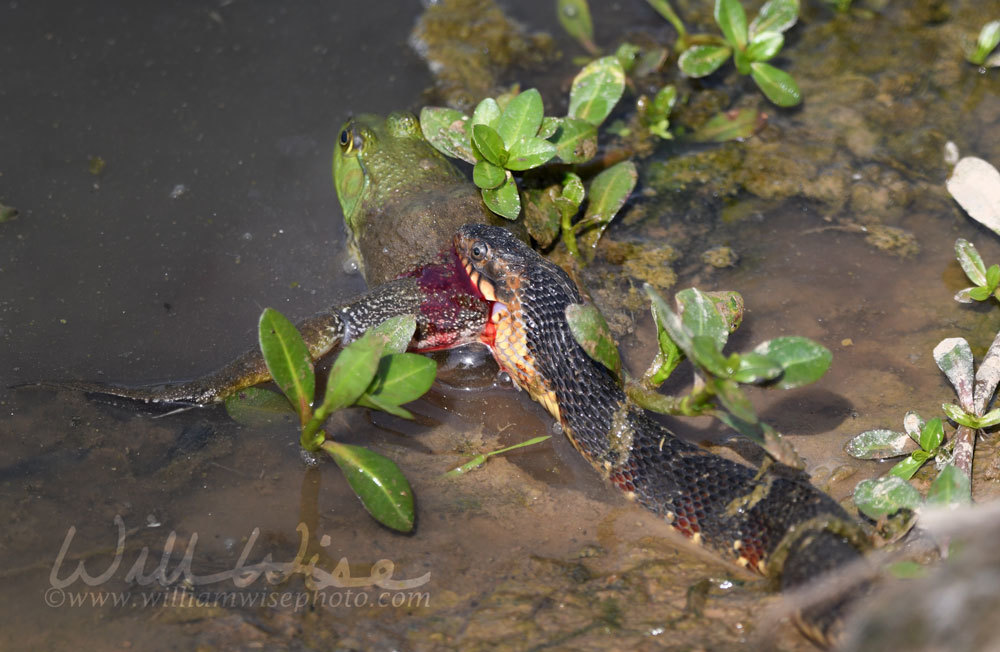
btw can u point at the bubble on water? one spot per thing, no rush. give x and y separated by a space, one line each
556 428
351 266
310 459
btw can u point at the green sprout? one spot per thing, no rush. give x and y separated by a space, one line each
989 38
986 279
508 135
373 371
480 459
750 47
698 331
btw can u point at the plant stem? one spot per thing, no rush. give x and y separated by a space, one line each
569 236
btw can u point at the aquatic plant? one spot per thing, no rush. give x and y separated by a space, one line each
698 331
750 47
510 134
985 279
373 371
989 38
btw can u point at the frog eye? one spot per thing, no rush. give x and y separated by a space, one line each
479 251
345 137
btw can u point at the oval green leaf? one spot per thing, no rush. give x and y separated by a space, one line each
591 332
932 434
775 16
487 113
487 176
803 360
529 152
378 482
728 125
288 360
608 192
521 118
574 16
880 444
703 60
541 215
755 368
489 144
970 260
447 130
351 374
575 140
777 85
700 316
732 20
951 487
885 496
401 378
907 467
596 89
505 201
981 293
705 352
765 46
397 332
258 407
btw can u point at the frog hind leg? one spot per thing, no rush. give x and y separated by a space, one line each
323 333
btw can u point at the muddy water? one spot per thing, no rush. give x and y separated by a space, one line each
214 124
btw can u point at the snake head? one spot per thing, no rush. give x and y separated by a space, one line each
494 259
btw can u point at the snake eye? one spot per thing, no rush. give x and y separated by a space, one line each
478 251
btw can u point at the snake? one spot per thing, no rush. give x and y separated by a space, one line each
772 521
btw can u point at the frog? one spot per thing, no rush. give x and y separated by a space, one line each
402 199
402 202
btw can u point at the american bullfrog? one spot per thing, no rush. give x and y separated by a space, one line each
402 202
402 199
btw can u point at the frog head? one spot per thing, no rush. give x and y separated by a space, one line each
379 161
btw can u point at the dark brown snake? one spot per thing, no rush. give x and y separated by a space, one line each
774 522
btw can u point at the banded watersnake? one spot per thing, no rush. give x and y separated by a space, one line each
774 522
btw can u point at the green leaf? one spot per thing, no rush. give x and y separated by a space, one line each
352 371
607 194
596 89
669 320
663 101
667 357
572 190
951 487
700 316
971 261
907 467
733 399
703 60
521 118
981 293
993 276
447 130
732 20
489 144
880 444
990 419
401 378
931 435
803 360
777 85
529 152
378 482
754 368
288 360
397 332
960 416
705 352
575 140
885 496
989 36
254 406
574 16
775 16
505 200
549 126
742 62
591 332
765 46
374 403
728 125
486 175
487 113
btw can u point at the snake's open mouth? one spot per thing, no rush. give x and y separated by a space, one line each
487 292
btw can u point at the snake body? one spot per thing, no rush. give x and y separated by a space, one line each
774 522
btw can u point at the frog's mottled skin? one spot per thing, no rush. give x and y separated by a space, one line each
402 199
